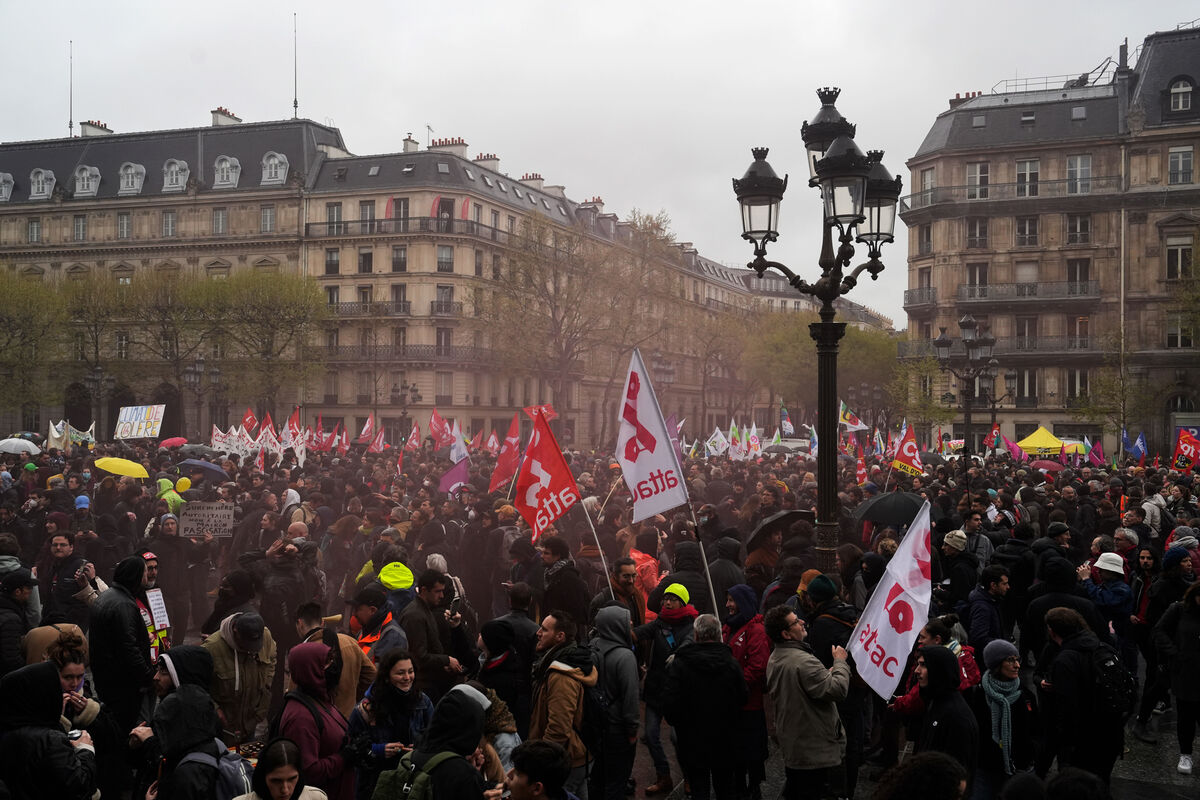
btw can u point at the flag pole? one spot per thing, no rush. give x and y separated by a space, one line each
703 556
596 538
612 489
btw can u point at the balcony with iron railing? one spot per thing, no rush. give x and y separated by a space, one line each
445 308
1056 290
1007 345
408 225
1027 401
923 296
417 353
1066 187
374 308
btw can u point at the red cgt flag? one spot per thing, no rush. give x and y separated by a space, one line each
440 431
249 421
414 438
377 445
991 438
545 410
493 443
510 456
545 486
908 458
1187 449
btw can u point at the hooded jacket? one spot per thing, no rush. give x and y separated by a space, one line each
703 694
320 746
749 644
805 696
241 683
33 608
726 571
689 570
183 723
560 677
1062 591
506 669
357 670
36 758
457 727
566 591
948 725
118 642
618 668
188 664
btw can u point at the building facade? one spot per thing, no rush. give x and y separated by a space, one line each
1063 215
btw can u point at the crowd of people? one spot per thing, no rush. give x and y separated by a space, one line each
358 634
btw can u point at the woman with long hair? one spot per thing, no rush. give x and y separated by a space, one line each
277 775
391 717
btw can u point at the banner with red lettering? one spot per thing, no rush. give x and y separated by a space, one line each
648 460
908 458
896 612
1187 447
545 486
510 456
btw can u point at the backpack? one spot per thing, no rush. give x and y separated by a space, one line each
302 699
596 702
408 781
234 773
1115 690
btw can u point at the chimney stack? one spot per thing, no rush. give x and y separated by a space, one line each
93 128
453 145
223 116
534 180
488 161
411 145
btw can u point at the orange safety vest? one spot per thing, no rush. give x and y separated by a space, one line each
367 640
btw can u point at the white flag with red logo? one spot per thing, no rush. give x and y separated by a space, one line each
249 421
368 428
414 438
644 450
493 443
440 431
510 456
896 612
908 457
545 486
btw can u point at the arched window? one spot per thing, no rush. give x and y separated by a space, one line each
1181 95
41 184
175 175
274 169
87 179
227 170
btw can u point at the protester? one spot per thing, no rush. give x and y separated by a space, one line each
311 721
277 775
561 673
747 639
670 630
1006 715
617 671
243 654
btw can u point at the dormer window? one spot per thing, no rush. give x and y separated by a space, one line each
132 176
1181 95
274 169
87 181
41 184
175 175
6 186
227 170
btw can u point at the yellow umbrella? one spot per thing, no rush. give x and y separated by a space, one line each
122 466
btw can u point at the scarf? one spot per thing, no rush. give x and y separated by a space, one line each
1000 698
557 567
674 615
635 597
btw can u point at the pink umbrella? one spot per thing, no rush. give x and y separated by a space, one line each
174 441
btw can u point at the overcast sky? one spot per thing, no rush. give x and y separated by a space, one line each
650 104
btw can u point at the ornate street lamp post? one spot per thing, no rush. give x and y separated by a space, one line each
976 363
859 197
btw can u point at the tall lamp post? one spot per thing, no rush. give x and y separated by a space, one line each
859 197
193 377
401 397
976 363
99 386
1010 391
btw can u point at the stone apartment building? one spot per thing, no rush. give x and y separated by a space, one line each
1062 215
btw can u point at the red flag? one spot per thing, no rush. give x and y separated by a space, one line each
400 461
320 432
327 442
545 487
908 458
1156 460
493 443
368 428
477 442
376 445
990 439
268 424
414 438
1142 460
260 463
1062 454
440 431
1187 448
343 445
546 410
293 424
249 421
510 456
861 472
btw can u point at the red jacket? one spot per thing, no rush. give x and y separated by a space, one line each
751 650
912 704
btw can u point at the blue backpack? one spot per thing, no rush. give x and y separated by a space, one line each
234 773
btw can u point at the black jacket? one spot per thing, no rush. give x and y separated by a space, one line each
1026 728
689 570
1177 637
13 625
457 726
662 641
119 643
183 723
726 571
948 724
566 591
1084 735
702 698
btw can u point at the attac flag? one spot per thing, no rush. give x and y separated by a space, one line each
846 417
493 443
545 410
1096 455
414 438
785 422
1187 448
510 456
377 445
368 430
649 462
440 431
991 438
884 636
545 486
908 457
249 421
455 478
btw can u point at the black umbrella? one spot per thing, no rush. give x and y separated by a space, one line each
778 448
780 520
198 450
894 508
931 459
209 467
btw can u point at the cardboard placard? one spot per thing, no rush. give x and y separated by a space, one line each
196 518
139 422
158 609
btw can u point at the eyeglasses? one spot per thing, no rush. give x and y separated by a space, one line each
795 622
1012 660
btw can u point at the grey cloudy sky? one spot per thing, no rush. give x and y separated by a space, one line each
651 105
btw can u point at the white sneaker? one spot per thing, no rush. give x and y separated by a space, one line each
1185 765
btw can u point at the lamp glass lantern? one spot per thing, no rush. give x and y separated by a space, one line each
986 343
879 206
759 192
842 174
1010 382
941 346
823 130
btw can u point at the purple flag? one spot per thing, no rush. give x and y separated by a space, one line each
1016 452
455 477
1096 455
673 432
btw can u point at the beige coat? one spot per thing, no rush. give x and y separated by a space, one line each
558 709
805 696
241 681
357 673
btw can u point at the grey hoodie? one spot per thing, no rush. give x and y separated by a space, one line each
33 609
618 668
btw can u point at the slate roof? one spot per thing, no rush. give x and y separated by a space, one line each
420 170
297 139
1165 57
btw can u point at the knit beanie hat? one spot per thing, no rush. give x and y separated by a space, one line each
821 589
996 651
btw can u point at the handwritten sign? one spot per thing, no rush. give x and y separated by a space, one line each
198 518
158 609
139 422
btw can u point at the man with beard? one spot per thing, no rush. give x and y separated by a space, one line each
561 673
622 590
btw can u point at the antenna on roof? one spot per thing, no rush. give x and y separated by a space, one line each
428 134
295 72
70 88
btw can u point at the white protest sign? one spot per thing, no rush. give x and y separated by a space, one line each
158 609
139 422
196 519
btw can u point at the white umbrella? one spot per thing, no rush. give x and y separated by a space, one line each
21 447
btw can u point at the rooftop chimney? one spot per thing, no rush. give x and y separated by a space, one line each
533 179
455 145
93 128
488 161
594 203
223 116
411 145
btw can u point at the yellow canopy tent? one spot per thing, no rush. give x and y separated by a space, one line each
1041 443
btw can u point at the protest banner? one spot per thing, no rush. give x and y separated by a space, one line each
139 422
197 518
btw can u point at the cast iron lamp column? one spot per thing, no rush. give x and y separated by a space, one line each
979 363
859 197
